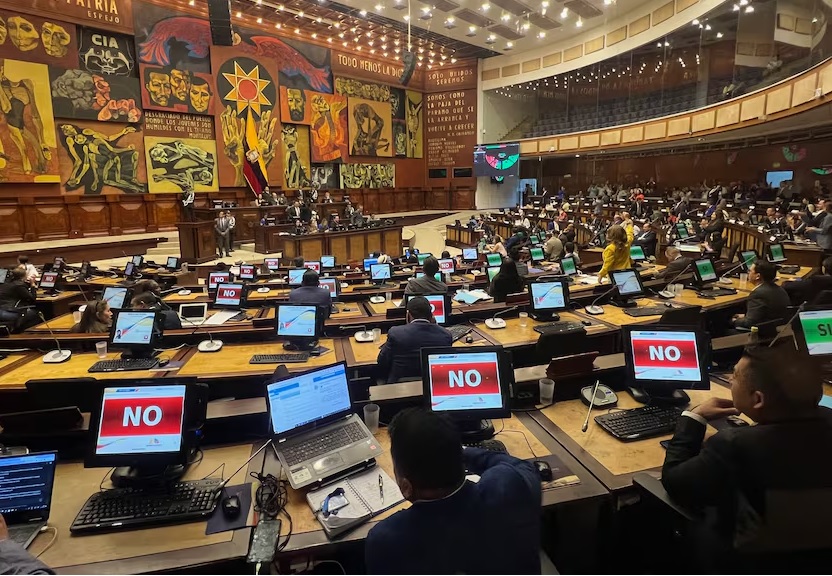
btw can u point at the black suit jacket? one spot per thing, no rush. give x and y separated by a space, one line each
16 294
292 213
647 241
312 295
675 267
741 464
767 302
400 357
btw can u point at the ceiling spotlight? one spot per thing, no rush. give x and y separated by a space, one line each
695 22
749 9
379 7
450 22
329 39
564 14
505 17
239 14
385 54
743 2
491 39
300 14
277 25
509 45
472 31
736 7
607 2
526 25
541 35
319 19
280 7
406 17
191 2
314 34
707 26
340 35
579 23
362 13
453 60
544 4
485 6
259 20
297 30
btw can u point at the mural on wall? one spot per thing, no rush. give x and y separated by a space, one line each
244 85
326 115
96 158
370 128
368 175
28 146
183 42
83 95
361 89
176 90
106 53
398 107
174 165
413 118
294 142
34 39
325 176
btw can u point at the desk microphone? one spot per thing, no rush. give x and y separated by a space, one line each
496 323
724 278
363 335
54 356
218 490
664 292
787 324
594 310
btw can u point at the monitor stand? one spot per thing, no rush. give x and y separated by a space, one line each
475 430
675 398
624 302
136 353
147 476
545 316
301 345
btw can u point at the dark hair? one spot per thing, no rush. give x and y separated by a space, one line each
90 322
18 273
786 375
147 286
431 266
766 270
826 266
446 254
310 278
297 261
147 298
419 308
515 253
569 246
426 449
22 259
508 268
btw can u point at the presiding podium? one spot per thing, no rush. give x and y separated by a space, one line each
197 243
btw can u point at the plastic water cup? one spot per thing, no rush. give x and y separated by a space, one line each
371 413
678 289
524 319
547 390
388 296
76 316
466 286
743 279
376 334
101 348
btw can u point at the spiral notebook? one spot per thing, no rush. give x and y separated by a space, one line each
364 500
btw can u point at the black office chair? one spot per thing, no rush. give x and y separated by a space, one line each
823 297
557 345
689 316
732 252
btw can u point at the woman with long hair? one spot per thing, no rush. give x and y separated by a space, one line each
617 253
96 318
507 281
498 246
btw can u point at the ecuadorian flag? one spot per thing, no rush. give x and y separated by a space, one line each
254 168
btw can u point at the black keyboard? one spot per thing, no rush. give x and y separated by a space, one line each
717 292
123 365
323 443
788 269
646 311
639 423
458 331
490 445
127 508
279 358
558 327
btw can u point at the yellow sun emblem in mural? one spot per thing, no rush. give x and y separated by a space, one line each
247 89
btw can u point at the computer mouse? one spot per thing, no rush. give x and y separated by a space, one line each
347 309
586 322
469 339
543 470
163 362
231 506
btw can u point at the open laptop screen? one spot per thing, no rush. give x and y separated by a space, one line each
26 485
305 398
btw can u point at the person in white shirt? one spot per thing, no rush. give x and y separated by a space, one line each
31 271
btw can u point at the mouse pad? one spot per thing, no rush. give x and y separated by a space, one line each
219 523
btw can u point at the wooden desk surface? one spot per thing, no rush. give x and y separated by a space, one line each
194 296
60 297
366 353
105 281
65 322
232 360
133 551
514 335
612 461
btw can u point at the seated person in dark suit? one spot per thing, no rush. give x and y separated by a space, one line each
807 289
767 301
646 239
400 356
451 527
15 295
675 263
427 284
736 469
149 301
310 292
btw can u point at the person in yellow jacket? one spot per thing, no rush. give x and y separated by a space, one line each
617 253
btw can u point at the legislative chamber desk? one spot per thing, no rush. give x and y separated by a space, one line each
346 246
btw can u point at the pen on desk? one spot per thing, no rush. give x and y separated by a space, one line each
381 488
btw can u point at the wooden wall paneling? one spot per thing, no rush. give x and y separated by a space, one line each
438 199
356 247
374 242
463 199
12 217
386 202
131 214
416 200
166 212
50 219
338 248
392 240
88 216
312 250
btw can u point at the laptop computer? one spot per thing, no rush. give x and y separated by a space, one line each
193 314
317 436
26 493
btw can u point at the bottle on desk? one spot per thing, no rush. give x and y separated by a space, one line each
755 336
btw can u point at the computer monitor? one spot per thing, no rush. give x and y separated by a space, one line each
437 276
420 258
568 266
814 328
776 253
327 261
216 278
381 272
704 271
682 231
272 264
492 272
139 331
369 262
537 254
470 255
137 260
117 297
446 265
494 259
440 305
316 266
296 276
748 257
230 296
59 263
300 325
172 263
4 274
534 239
332 285
130 270
86 269
468 385
248 272
628 283
49 280
548 297
26 483
637 254
661 360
